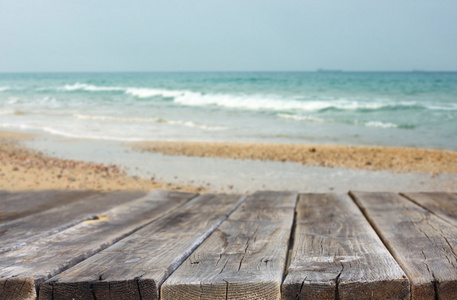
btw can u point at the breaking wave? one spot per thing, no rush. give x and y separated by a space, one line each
261 102
380 124
137 92
89 88
278 104
303 118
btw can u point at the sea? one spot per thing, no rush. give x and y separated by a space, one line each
406 109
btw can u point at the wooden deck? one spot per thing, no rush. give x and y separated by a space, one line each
269 245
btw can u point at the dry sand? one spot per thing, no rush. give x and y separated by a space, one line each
353 157
24 169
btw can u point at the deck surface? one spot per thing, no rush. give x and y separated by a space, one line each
268 245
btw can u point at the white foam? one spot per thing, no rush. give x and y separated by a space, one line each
147 93
4 88
17 126
46 100
86 136
270 103
380 124
90 88
149 120
302 118
442 106
118 119
134 91
314 119
13 100
248 102
68 134
196 125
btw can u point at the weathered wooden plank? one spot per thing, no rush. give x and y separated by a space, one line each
17 289
337 255
39 261
18 205
424 245
244 258
135 267
443 205
18 233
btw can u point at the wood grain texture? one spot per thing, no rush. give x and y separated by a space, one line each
17 289
39 261
135 267
244 258
18 205
443 205
424 245
337 255
20 232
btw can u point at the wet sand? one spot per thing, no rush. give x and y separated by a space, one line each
25 169
36 162
352 157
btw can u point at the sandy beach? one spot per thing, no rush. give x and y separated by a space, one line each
353 157
25 169
38 162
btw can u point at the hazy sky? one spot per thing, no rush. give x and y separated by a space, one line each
227 35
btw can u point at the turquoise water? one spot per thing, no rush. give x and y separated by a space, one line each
417 109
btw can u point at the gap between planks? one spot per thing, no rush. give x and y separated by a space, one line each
338 255
244 258
22 271
442 205
422 243
135 274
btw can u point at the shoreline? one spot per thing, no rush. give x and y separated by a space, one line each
53 162
22 168
395 159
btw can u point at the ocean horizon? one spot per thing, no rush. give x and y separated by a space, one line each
405 109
